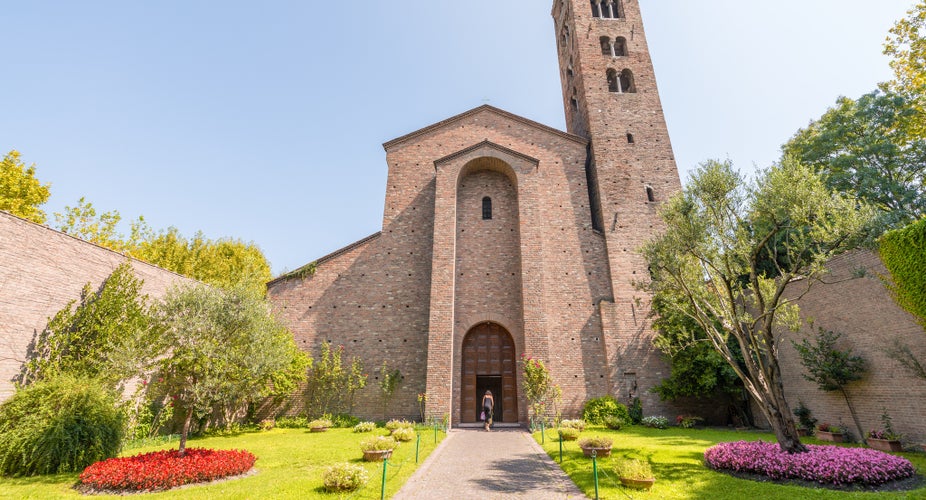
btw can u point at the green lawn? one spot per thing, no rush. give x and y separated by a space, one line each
289 464
677 459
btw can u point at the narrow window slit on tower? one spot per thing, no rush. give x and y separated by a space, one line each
486 208
650 196
629 138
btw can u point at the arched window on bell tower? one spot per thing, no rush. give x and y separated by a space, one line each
486 208
626 82
620 47
596 8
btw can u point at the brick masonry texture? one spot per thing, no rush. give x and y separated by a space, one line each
41 270
863 311
561 287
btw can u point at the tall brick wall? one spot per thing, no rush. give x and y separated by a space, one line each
868 318
41 270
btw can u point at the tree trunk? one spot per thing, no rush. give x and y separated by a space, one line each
185 431
858 426
780 417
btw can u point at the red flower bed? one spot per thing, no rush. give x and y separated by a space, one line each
161 470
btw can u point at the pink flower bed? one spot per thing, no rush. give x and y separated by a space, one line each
832 465
165 469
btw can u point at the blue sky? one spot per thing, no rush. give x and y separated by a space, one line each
265 120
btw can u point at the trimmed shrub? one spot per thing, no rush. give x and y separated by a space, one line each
59 425
293 423
160 470
378 443
596 442
614 423
656 422
578 425
345 477
568 433
392 425
833 465
404 434
597 409
344 421
365 427
636 411
903 252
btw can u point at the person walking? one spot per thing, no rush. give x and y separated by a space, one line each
488 405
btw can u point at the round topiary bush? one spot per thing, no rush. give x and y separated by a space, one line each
404 434
596 410
365 427
344 477
831 465
392 425
60 425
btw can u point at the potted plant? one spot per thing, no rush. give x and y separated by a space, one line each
885 439
827 432
568 433
635 473
377 448
319 425
576 424
805 418
599 445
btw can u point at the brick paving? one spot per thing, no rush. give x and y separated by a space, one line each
503 463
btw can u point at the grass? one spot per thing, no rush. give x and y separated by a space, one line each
290 463
678 463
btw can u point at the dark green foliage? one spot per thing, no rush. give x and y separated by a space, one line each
865 148
803 415
614 423
58 425
903 252
636 411
103 337
596 410
828 367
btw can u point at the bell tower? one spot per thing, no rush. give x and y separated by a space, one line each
610 97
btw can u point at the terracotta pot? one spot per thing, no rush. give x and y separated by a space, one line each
599 452
640 484
318 429
889 445
831 436
377 455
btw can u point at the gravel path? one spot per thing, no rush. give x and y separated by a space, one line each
503 463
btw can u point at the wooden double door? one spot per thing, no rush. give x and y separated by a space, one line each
489 364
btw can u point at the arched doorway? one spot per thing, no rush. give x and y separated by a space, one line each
489 363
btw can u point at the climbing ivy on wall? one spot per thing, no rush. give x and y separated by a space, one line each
903 252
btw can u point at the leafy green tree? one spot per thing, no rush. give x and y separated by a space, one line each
21 193
103 337
388 385
907 47
540 391
698 370
830 368
864 147
717 232
225 262
84 222
216 346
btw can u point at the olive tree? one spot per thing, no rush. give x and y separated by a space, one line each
221 346
740 254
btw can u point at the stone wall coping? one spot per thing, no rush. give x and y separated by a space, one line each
481 109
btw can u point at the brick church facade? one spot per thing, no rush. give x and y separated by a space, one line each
503 238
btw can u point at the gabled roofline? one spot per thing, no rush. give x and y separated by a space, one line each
476 110
490 144
328 257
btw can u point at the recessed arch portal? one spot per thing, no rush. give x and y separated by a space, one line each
489 363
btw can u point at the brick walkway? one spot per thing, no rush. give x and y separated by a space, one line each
504 463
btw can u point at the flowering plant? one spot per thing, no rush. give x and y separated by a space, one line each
345 477
887 432
378 443
656 422
162 470
832 465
